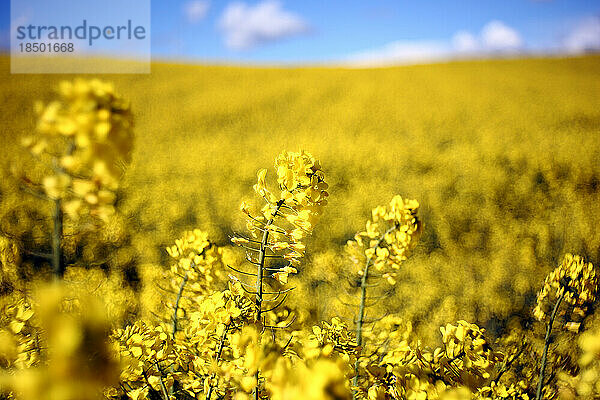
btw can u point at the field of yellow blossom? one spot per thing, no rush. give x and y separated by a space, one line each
497 164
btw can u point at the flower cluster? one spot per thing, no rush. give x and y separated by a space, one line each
502 391
198 261
330 337
467 353
87 135
390 341
18 335
146 355
229 307
575 282
66 355
460 368
388 238
200 356
197 270
287 217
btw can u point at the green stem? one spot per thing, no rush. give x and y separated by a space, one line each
57 234
175 320
219 352
546 345
506 366
359 326
260 272
361 309
162 383
176 307
259 280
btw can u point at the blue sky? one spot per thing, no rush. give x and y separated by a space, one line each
363 32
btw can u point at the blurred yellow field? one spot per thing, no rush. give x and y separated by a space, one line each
502 157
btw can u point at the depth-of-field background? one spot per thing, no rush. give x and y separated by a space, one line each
503 156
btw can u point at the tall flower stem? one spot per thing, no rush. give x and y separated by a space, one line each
57 234
219 352
547 345
259 279
175 321
176 307
361 309
57 218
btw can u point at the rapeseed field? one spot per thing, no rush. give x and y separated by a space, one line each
497 165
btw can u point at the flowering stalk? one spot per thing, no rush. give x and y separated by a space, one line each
219 352
177 301
386 242
546 345
82 136
363 298
198 265
261 262
276 232
573 282
259 279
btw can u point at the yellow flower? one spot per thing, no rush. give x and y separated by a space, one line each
91 129
574 281
388 238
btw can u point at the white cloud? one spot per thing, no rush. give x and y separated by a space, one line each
584 37
400 52
247 26
465 42
497 36
196 10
